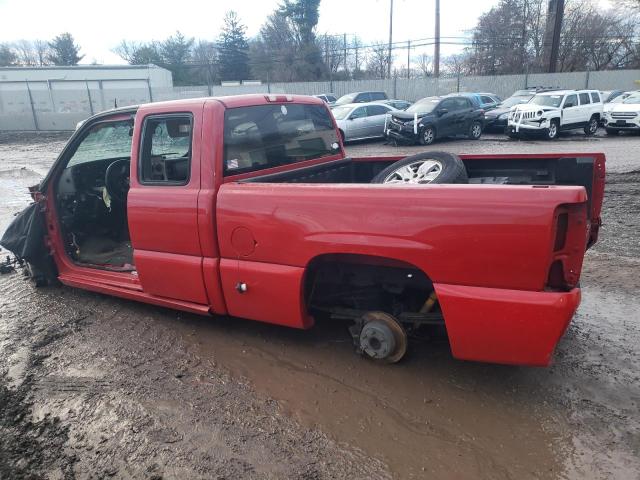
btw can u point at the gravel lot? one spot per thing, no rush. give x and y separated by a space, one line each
96 387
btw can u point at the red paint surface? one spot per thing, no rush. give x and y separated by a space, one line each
274 292
487 248
505 326
482 235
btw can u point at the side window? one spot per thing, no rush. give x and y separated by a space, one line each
165 156
378 96
457 104
465 103
448 104
571 101
485 99
359 112
595 97
363 98
376 110
584 99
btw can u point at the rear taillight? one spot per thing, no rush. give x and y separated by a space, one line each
569 246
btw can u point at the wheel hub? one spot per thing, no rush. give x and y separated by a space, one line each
382 337
377 340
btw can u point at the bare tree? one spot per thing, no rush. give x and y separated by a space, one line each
509 38
456 64
378 62
25 52
425 65
205 58
42 52
356 58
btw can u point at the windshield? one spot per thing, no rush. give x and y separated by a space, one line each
266 136
343 100
635 98
426 105
340 113
104 140
547 100
511 101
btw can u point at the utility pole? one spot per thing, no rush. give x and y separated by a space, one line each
555 14
436 48
390 39
524 33
408 58
344 46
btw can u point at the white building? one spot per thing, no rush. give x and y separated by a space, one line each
56 98
158 77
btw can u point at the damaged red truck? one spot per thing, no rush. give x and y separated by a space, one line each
247 206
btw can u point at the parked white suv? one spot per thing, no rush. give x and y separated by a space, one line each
623 115
550 112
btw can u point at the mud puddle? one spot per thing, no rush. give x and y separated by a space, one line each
428 416
432 415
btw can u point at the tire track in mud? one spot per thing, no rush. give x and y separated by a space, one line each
30 448
123 397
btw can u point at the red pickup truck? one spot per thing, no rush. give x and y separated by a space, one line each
247 206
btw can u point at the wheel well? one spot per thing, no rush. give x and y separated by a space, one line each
597 115
365 282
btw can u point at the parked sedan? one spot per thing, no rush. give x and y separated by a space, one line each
496 120
436 117
357 121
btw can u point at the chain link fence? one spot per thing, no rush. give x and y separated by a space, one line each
61 104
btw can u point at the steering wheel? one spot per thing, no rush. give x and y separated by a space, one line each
116 180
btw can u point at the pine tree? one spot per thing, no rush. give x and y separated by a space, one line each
64 51
234 49
176 54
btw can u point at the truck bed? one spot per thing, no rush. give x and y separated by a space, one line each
585 170
503 253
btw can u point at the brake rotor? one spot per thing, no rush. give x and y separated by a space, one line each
382 337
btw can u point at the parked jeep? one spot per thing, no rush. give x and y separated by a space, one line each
549 113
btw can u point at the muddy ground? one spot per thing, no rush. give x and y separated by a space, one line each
97 387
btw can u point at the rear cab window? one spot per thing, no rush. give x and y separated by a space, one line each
595 97
266 136
165 157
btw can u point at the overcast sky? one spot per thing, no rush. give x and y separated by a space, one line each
99 26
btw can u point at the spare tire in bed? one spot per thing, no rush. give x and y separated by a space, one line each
424 168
